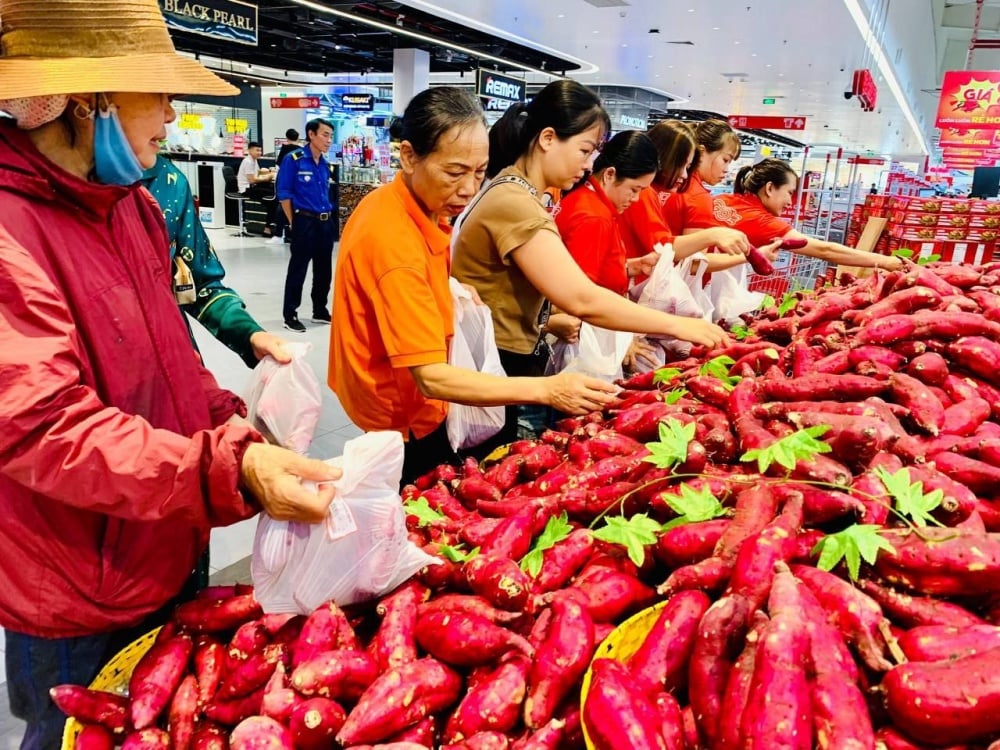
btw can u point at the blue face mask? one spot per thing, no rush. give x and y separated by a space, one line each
114 161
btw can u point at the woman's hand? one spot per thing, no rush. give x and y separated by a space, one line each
730 241
770 251
274 477
697 331
890 263
639 349
642 266
564 327
573 393
474 293
264 344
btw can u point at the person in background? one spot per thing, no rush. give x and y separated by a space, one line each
304 191
761 193
391 299
119 450
199 286
588 217
257 183
508 246
280 222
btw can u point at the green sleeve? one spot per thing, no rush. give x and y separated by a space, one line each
220 309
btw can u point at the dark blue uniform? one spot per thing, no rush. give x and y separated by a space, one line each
315 223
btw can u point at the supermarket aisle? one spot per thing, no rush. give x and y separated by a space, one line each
257 271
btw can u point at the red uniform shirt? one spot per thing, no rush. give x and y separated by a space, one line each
589 226
642 223
747 214
691 209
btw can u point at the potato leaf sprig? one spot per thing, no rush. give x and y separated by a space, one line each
456 553
672 447
739 332
672 397
557 529
911 502
789 450
692 506
767 302
634 534
789 303
666 375
852 545
424 513
718 367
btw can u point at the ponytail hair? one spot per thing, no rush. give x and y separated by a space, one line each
753 179
566 106
714 135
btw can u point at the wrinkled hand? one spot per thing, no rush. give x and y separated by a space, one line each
730 241
639 349
264 344
573 393
273 475
698 331
643 266
770 251
564 327
474 292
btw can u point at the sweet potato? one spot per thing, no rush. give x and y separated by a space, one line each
965 417
944 702
152 687
661 661
260 733
978 355
209 736
87 706
898 303
925 408
942 561
495 702
854 614
514 535
213 616
94 737
690 542
979 476
466 640
616 714
399 698
233 712
710 574
854 439
952 325
561 659
150 738
609 593
338 675
718 643
183 709
755 506
562 561
548 737
498 580
326 629
941 642
813 387
877 354
315 722
486 740
887 330
279 700
249 638
737 692
253 673
759 262
394 642
467 604
910 611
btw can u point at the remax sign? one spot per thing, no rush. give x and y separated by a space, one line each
490 85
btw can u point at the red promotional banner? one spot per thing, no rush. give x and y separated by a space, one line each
295 102
970 99
866 160
767 122
951 137
969 153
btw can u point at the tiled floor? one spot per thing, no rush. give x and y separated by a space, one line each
256 270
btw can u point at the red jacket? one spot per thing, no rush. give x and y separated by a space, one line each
113 465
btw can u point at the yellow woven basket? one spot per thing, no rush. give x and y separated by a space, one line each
496 455
113 678
623 642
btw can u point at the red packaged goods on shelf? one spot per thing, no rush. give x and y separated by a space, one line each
983 235
955 205
906 232
983 221
958 220
876 201
927 205
914 218
985 207
899 203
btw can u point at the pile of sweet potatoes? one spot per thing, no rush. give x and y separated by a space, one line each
756 645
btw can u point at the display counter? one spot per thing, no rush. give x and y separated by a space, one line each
204 172
356 183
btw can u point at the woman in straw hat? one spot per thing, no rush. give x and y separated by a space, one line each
118 450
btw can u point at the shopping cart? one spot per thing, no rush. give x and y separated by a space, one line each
792 273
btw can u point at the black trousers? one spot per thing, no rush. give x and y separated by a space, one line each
312 241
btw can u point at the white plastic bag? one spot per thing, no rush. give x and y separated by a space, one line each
598 353
284 401
730 296
692 272
360 552
473 347
666 290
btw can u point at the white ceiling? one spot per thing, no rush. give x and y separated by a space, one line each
799 51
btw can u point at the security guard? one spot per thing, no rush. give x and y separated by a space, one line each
304 191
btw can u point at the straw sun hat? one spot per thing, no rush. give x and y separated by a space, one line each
85 46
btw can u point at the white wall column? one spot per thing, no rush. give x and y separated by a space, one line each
411 74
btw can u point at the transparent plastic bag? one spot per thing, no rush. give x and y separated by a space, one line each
598 353
359 552
666 289
284 401
730 296
473 347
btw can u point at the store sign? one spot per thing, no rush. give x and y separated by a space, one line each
295 102
766 122
632 122
769 100
952 138
490 85
234 125
496 105
864 88
231 20
358 102
866 160
970 99
188 121
969 153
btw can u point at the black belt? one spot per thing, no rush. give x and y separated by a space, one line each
325 216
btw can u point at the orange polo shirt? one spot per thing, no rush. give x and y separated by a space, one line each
691 209
392 310
643 225
747 214
588 224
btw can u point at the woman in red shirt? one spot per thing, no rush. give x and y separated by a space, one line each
762 193
690 208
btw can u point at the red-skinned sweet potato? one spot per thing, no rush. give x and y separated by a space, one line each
94 737
325 629
737 691
494 702
942 561
941 642
260 733
689 542
152 687
253 673
183 709
925 408
212 616
231 713
466 640
617 715
87 706
910 611
661 661
150 738
279 700
394 641
498 580
341 675
610 593
209 736
315 722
